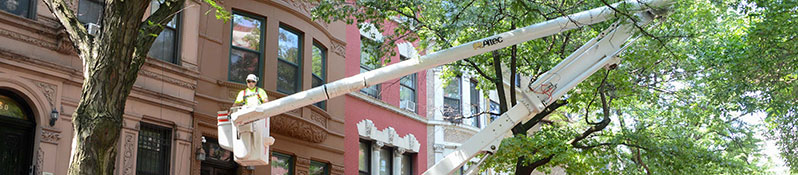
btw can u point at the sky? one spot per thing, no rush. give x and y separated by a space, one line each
769 148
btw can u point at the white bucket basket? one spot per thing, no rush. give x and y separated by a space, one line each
224 128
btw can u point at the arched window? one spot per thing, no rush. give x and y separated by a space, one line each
16 130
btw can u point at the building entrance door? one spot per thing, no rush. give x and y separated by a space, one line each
16 134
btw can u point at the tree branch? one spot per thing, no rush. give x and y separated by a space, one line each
479 70
151 28
66 16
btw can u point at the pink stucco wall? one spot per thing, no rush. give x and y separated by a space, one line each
358 110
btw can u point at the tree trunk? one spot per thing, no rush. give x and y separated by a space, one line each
111 61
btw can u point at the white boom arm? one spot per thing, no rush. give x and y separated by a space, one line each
585 61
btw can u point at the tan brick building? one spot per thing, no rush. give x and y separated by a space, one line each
196 68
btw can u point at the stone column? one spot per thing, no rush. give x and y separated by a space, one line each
375 156
397 160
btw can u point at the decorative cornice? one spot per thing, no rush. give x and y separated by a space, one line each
62 45
51 136
298 128
37 62
388 136
168 79
338 48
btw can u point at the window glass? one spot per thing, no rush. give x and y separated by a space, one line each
474 95
155 143
17 7
245 47
364 158
319 69
246 32
494 109
165 46
319 168
214 152
289 56
90 11
282 164
10 108
407 92
407 165
243 63
367 63
451 100
386 160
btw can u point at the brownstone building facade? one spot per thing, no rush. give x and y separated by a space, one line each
196 67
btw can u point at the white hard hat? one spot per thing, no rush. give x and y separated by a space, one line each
252 77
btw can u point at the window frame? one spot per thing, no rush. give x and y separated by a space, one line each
177 38
459 100
390 163
300 56
377 87
291 161
167 153
414 82
260 53
323 76
497 110
325 167
474 103
31 10
368 157
100 16
409 168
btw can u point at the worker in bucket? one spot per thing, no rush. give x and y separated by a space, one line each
252 95
251 141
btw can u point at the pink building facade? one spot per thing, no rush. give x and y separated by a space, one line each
386 125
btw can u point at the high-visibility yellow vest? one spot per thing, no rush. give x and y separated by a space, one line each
253 96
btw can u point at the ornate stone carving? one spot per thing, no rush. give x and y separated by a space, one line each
168 79
378 144
39 161
28 39
399 151
297 112
48 90
64 44
50 136
298 128
337 169
300 6
301 161
224 106
391 134
127 159
318 118
339 48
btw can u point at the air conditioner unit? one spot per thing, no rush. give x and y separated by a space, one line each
408 105
93 29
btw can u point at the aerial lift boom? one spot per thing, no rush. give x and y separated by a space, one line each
597 53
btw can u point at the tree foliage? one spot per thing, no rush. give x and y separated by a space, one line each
675 105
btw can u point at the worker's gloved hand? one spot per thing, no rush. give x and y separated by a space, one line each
268 141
